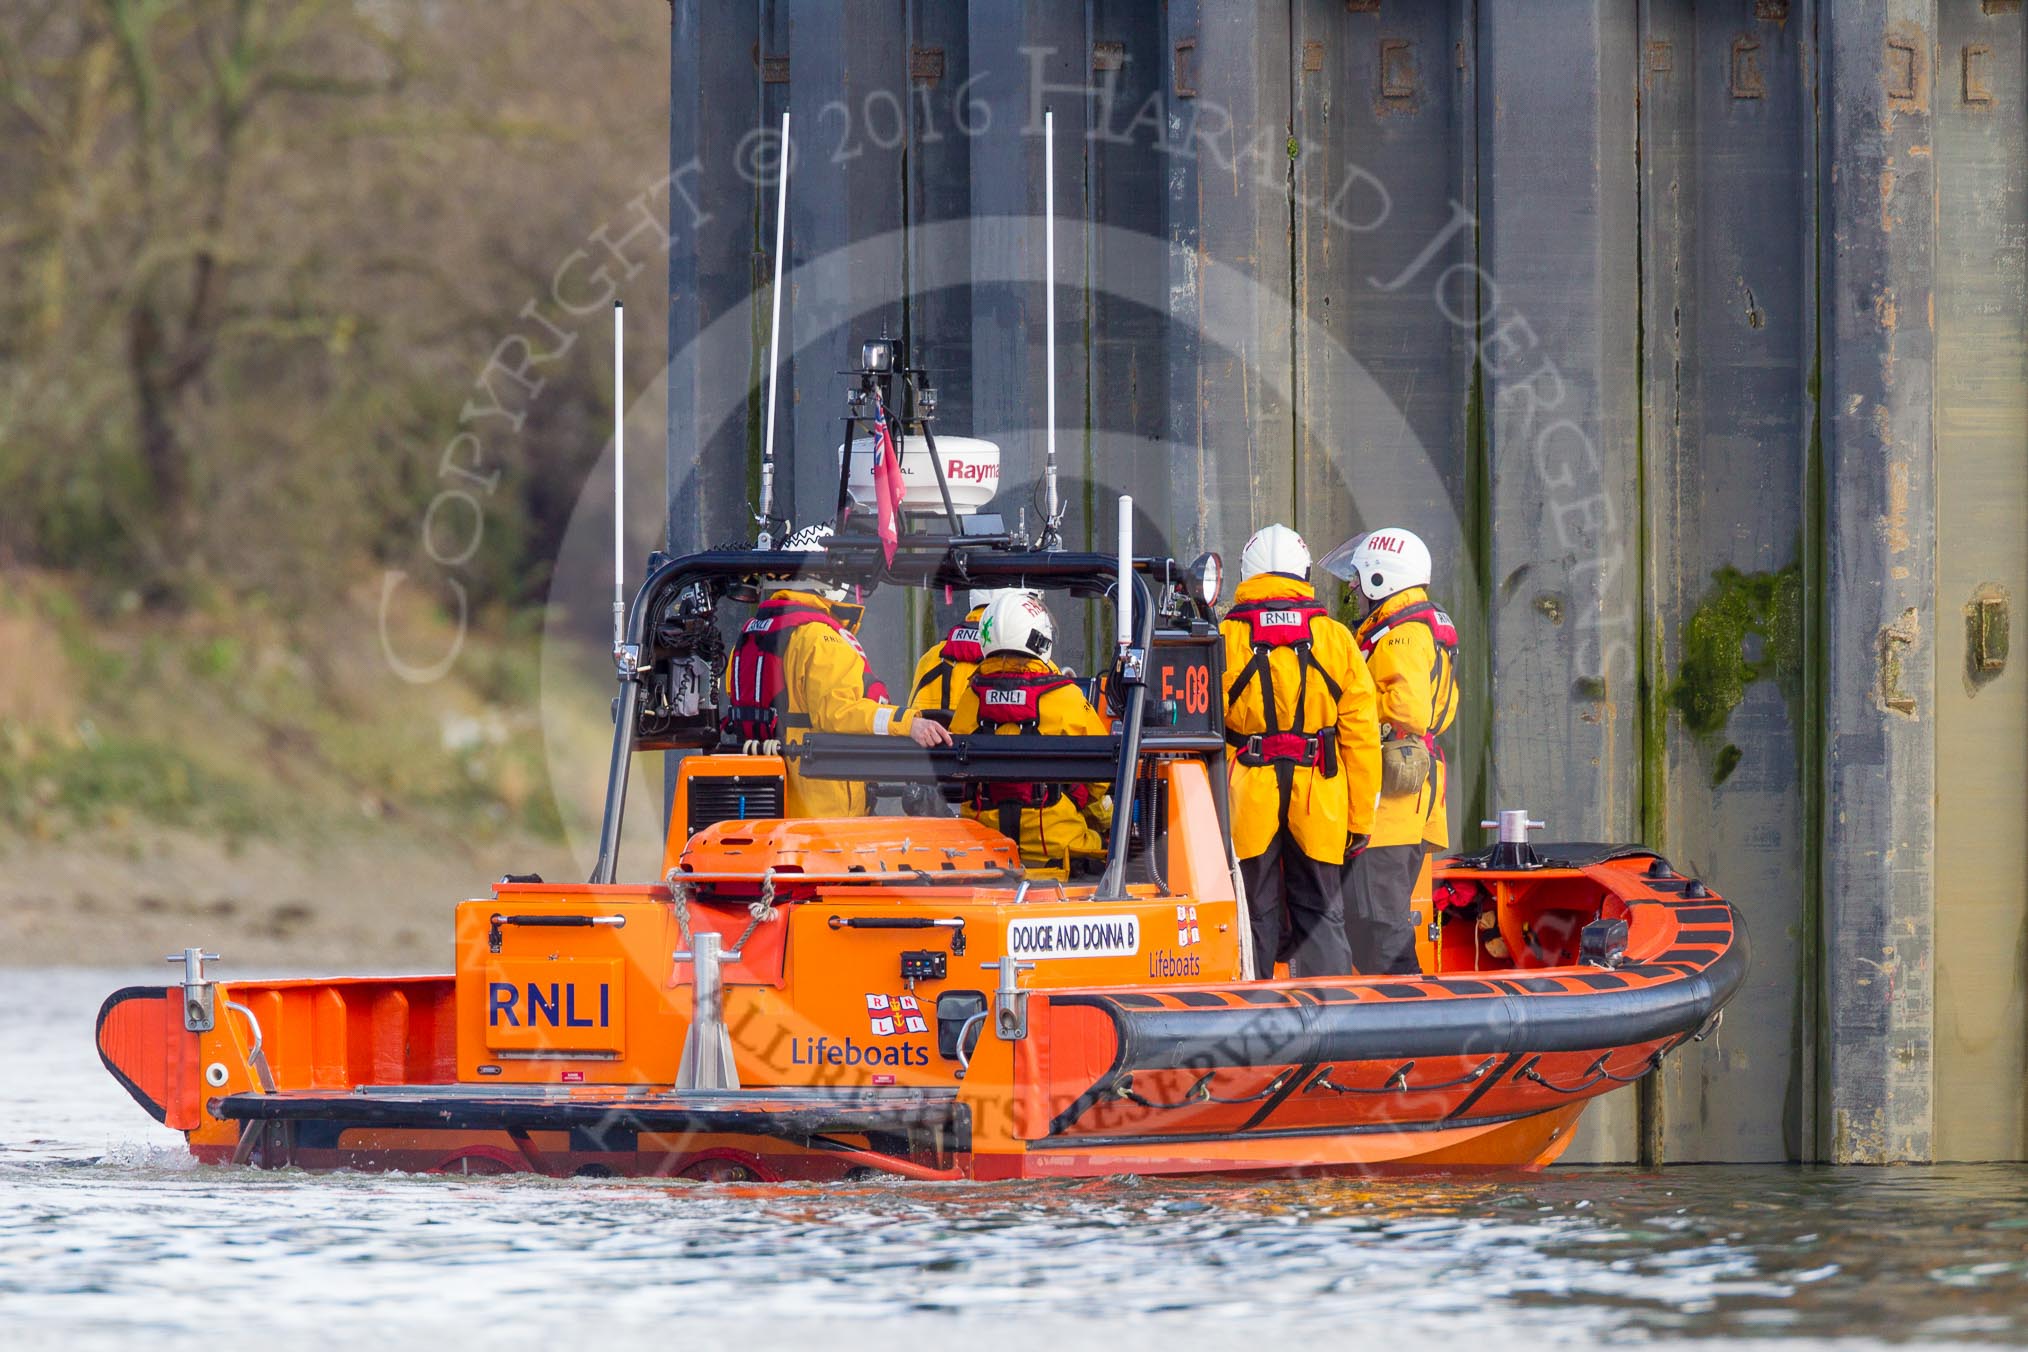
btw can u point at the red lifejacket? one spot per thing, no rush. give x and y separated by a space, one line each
1443 675
1283 622
757 683
959 648
1011 702
1426 614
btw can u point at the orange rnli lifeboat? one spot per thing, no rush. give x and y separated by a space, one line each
809 999
893 993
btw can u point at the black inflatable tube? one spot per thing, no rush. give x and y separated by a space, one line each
1308 1034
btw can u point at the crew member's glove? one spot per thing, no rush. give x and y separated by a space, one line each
1355 845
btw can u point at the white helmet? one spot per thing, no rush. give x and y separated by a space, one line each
816 540
981 597
1275 549
1382 562
1017 622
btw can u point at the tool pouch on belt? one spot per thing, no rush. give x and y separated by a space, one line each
1404 767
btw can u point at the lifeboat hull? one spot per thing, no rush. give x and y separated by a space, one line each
1458 1070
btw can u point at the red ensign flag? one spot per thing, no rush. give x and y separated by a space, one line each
887 489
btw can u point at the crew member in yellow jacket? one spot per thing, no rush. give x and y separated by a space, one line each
1411 649
1017 689
1304 763
943 672
798 668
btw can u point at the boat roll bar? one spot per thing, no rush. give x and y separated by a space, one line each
915 564
991 758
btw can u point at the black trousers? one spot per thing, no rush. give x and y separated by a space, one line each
1287 888
1379 932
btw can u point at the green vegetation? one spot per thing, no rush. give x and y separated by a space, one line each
254 259
254 262
262 728
1748 628
103 779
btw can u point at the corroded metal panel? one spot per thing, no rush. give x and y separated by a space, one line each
1557 252
1982 583
1227 91
1728 300
848 90
937 188
714 102
1126 131
1025 62
1575 350
1879 586
1387 306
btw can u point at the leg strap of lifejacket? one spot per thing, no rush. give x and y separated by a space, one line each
1010 822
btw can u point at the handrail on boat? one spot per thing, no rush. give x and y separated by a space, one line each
778 877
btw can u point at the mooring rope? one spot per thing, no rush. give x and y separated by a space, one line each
1199 1092
679 892
760 912
1397 1083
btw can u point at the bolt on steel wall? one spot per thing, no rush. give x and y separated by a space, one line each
1677 328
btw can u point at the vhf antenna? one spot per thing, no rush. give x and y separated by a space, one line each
1052 528
619 477
767 493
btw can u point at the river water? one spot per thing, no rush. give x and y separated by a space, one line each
110 1236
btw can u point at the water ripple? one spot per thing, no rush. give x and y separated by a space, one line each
109 1235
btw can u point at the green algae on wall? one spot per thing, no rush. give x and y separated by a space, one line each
1748 628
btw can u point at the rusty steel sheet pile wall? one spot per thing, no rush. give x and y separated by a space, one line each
1693 336
1981 1036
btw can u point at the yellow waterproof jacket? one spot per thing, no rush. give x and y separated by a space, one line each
825 679
1321 810
945 671
1418 697
1052 835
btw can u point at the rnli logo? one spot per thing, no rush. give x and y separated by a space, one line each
552 1004
540 1005
1385 544
998 697
1187 932
759 626
1274 618
965 634
894 1015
